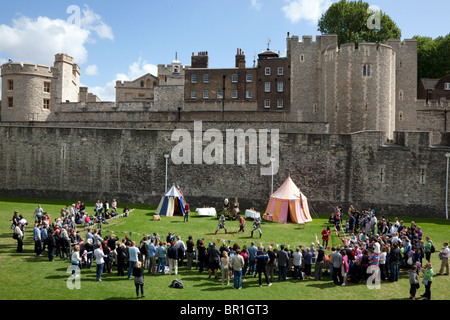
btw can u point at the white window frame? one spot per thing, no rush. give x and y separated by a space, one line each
280 103
447 86
234 94
366 72
249 78
205 94
267 71
206 78
249 94
194 78
234 78
280 86
280 71
267 87
219 94
193 94
266 103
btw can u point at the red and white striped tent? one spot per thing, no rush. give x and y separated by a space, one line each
288 205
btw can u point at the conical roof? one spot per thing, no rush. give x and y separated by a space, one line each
288 190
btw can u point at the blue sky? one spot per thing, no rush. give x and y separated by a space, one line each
122 40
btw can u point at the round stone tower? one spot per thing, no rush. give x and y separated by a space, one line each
26 92
358 88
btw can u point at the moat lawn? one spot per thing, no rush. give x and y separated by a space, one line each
24 276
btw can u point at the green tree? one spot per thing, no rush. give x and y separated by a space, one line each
433 57
353 21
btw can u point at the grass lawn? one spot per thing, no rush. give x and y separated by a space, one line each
25 276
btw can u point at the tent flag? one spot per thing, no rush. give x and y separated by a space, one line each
288 205
172 203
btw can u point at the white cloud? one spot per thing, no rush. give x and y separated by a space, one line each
135 70
308 10
91 70
37 40
93 22
256 4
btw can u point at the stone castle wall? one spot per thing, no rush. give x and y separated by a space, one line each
128 164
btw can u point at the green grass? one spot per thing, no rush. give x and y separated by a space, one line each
27 277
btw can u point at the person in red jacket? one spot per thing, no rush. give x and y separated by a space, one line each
326 236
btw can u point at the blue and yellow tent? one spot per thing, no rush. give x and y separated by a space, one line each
172 203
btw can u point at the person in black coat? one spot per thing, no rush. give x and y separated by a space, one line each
51 244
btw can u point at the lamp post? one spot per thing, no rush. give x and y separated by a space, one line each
447 155
167 158
272 160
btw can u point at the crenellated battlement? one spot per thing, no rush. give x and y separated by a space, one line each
27 69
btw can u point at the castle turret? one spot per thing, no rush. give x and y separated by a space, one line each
67 86
26 92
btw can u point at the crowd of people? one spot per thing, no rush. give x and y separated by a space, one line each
371 249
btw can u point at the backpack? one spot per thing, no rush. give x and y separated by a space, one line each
432 250
177 284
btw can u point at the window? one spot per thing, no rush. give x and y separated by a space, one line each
302 58
220 94
234 94
47 86
206 78
267 87
280 71
194 78
400 116
205 94
47 104
141 96
267 71
280 103
10 102
382 174
267 103
10 85
249 78
234 78
366 70
193 94
400 95
248 94
423 174
142 84
447 86
280 86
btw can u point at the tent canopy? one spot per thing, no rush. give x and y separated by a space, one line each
172 203
288 204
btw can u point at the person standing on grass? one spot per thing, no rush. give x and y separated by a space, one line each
225 262
99 260
51 244
75 259
283 259
213 259
427 280
138 273
18 233
237 263
413 281
133 257
319 264
336 261
428 248
172 254
262 258
162 252
37 239
444 261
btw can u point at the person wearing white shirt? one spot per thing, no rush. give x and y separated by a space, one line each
99 260
297 255
444 262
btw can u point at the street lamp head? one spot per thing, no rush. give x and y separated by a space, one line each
447 155
166 156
